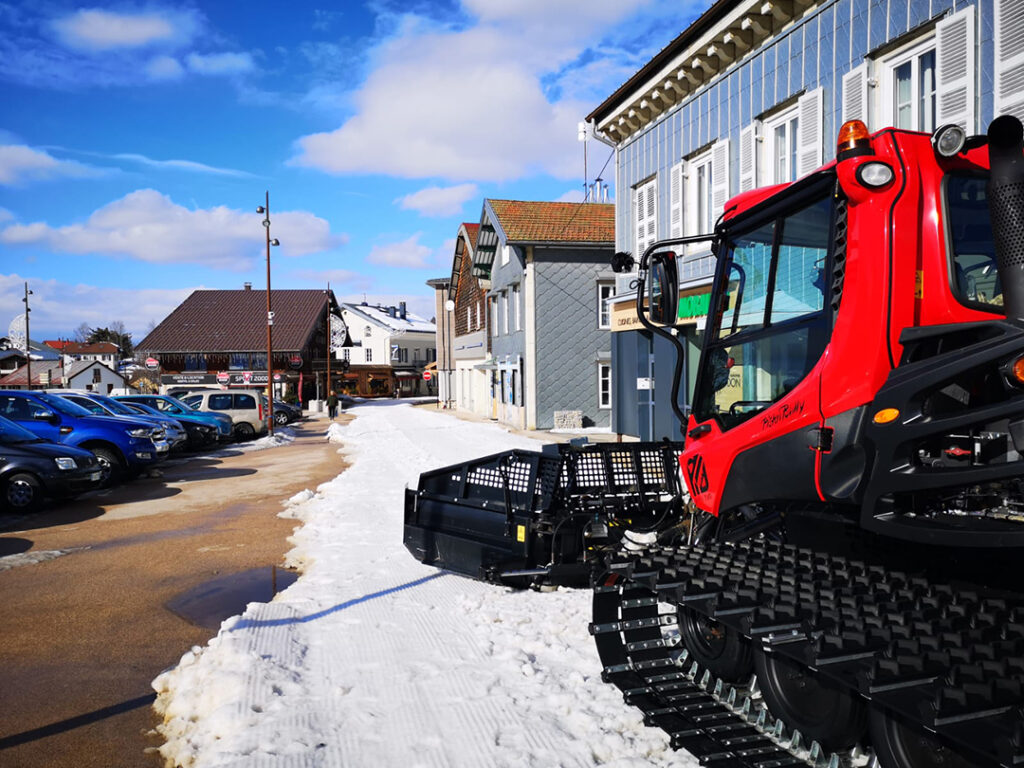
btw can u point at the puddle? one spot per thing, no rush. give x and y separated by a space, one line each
211 602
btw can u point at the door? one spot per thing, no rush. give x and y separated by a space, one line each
21 409
757 398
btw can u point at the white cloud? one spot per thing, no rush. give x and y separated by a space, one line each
58 308
20 164
148 226
181 165
439 201
571 196
6 215
482 103
91 29
219 63
165 68
407 253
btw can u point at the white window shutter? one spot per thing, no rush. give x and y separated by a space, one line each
652 217
810 130
855 95
639 196
676 201
719 177
954 60
1009 40
748 157
646 219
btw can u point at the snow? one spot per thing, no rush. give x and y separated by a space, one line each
371 658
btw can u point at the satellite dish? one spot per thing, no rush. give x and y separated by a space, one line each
16 334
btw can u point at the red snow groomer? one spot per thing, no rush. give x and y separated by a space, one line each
839 582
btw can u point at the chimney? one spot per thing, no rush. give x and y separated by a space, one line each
248 286
401 309
392 312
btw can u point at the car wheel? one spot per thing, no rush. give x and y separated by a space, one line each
23 492
244 431
280 417
110 466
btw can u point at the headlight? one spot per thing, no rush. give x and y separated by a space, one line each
874 174
140 432
65 462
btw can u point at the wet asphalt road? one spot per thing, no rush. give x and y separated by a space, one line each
125 581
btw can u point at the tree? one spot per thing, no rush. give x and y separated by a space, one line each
82 333
115 334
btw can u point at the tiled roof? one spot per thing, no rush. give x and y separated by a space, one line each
77 348
472 230
236 321
17 378
539 222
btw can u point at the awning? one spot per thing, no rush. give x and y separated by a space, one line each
488 365
486 246
407 374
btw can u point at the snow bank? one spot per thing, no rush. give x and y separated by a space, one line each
372 659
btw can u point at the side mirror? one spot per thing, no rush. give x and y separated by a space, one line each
663 288
41 415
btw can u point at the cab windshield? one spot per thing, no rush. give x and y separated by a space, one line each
975 279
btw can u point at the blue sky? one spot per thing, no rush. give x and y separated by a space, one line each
137 139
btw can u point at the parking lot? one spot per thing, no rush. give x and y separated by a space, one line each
101 594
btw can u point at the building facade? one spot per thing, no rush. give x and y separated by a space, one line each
471 343
753 94
546 268
390 347
219 338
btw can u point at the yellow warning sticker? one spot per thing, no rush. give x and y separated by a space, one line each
919 285
520 533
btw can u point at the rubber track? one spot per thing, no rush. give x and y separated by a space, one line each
946 658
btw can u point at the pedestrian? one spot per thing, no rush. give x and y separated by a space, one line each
332 404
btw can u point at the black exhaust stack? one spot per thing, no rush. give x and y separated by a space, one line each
1006 208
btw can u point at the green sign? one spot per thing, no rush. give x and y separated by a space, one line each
695 305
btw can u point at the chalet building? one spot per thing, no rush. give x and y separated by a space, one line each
389 349
219 337
753 94
105 352
528 299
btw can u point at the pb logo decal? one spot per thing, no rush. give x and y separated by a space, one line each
697 474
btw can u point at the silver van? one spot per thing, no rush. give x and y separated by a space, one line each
244 406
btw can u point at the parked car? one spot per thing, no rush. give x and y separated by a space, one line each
121 445
286 413
31 468
244 406
101 405
178 409
199 434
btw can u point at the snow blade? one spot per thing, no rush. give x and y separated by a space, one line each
524 518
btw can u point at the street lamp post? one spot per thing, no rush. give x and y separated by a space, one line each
28 340
270 317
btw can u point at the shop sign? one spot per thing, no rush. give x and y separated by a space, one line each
223 377
295 362
152 363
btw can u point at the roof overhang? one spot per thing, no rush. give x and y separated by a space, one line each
486 247
722 36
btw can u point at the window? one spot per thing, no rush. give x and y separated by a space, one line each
405 355
245 402
506 251
476 317
494 316
645 216
219 402
504 312
781 145
367 331
368 354
604 385
699 185
97 375
346 353
604 292
969 239
773 328
908 88
517 322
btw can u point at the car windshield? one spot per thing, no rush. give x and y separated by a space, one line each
113 405
11 433
142 408
61 405
174 405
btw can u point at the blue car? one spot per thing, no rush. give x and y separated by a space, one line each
172 406
101 405
199 434
121 445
